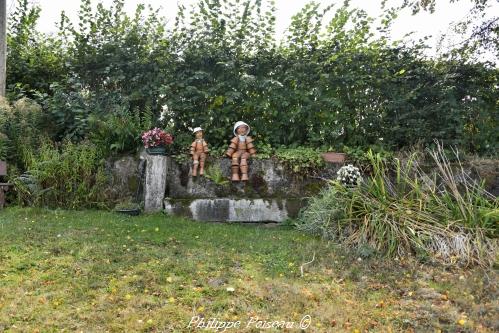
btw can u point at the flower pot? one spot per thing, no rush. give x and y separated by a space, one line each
159 150
331 157
129 211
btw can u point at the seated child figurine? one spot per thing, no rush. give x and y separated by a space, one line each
199 151
240 149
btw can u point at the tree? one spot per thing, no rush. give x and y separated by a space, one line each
480 32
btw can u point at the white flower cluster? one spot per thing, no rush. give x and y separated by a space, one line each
349 175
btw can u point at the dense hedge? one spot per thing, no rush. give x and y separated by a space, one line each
325 84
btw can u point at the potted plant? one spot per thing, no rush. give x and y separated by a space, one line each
156 140
128 207
332 157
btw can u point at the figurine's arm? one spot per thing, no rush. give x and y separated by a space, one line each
193 147
232 147
250 146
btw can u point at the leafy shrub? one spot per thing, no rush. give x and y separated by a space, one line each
3 147
69 176
21 129
359 155
119 133
328 83
300 160
447 216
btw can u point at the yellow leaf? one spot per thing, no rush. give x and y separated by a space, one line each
128 296
461 322
171 300
169 279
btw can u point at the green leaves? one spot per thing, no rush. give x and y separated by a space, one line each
328 83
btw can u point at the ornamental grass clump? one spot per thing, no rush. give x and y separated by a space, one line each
444 216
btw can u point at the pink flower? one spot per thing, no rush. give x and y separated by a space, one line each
156 137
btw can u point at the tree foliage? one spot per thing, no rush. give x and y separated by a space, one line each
332 82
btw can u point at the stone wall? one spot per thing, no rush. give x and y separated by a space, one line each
125 175
273 193
267 179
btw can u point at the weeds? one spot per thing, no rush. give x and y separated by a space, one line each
445 215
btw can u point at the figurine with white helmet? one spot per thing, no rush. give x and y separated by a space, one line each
199 151
240 149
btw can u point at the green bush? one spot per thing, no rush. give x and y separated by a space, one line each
329 82
300 160
22 128
119 132
69 176
445 216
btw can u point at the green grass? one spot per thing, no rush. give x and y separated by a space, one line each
97 271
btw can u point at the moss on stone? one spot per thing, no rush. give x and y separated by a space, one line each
313 188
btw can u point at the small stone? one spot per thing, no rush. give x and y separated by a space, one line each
217 282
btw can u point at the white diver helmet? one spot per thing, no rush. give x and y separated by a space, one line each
241 123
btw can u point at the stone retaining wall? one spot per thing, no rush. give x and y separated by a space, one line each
272 193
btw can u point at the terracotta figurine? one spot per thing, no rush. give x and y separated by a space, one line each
199 151
240 149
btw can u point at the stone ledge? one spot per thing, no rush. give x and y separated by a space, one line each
268 178
235 210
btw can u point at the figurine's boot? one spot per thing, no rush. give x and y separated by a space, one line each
244 173
235 173
201 166
195 168
244 167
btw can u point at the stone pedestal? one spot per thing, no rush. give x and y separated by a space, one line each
155 182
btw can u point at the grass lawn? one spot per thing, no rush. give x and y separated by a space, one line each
96 271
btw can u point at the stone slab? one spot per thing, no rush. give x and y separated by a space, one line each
155 182
235 210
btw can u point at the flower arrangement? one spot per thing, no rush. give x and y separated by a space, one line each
156 138
349 175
